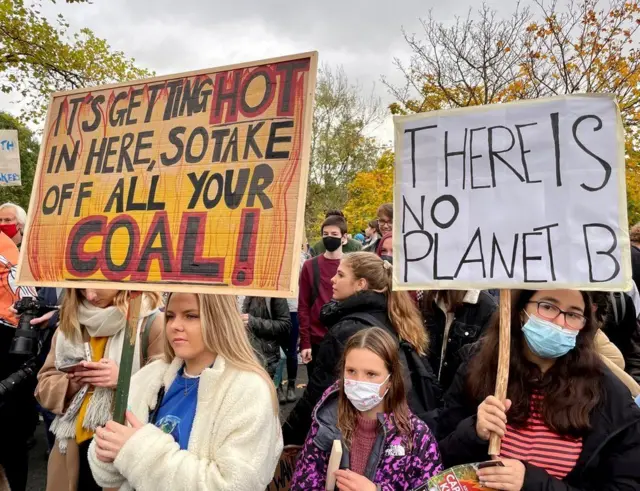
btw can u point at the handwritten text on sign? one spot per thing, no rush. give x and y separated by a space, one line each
9 158
196 178
516 195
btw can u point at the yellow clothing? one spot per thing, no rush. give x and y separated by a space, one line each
98 346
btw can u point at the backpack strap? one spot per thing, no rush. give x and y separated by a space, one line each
619 306
315 286
144 335
267 301
367 318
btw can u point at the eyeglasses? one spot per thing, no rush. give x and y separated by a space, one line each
381 221
550 312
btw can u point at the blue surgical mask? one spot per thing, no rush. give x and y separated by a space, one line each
548 340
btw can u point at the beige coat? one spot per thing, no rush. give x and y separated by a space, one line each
612 357
54 393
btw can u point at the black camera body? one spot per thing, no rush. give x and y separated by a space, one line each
25 340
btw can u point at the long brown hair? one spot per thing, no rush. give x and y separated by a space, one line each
402 311
379 342
452 299
69 324
224 334
570 388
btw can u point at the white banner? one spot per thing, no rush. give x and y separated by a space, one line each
9 158
523 195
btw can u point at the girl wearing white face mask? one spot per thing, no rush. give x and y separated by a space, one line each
367 410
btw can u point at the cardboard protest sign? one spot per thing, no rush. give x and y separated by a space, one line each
9 158
194 181
522 195
285 469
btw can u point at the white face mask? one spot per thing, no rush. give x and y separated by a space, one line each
364 395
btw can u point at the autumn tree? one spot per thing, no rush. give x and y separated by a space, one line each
29 148
340 147
581 46
38 57
368 190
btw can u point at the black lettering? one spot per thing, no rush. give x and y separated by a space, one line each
189 265
550 247
526 259
83 192
524 152
189 157
224 96
495 154
172 87
274 139
69 160
413 132
232 147
161 252
448 154
106 169
406 207
153 98
456 209
74 111
117 198
605 165
198 185
96 156
250 142
288 86
209 202
133 103
261 180
268 88
408 259
97 114
233 195
88 228
50 209
131 202
218 137
142 145
607 253
120 114
555 132
115 225
436 249
473 157
152 204
124 159
174 139
477 237
495 247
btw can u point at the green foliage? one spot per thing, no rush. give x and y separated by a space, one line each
29 149
368 190
38 57
339 147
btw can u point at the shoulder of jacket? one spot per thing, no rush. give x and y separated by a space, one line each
246 382
151 372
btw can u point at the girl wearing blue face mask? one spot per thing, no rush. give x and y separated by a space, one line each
567 424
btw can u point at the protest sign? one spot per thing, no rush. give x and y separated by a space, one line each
285 469
9 158
522 195
189 182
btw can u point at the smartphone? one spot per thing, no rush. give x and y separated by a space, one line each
71 368
490 463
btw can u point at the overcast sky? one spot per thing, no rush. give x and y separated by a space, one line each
170 36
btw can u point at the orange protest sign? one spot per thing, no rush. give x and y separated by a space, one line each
194 181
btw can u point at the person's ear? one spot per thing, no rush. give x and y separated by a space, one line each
362 285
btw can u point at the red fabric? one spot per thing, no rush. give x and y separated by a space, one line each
537 444
386 236
311 329
363 439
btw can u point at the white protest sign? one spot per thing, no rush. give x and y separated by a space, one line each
522 195
9 158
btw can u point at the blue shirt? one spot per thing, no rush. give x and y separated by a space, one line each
178 408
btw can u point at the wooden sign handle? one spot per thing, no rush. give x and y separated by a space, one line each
126 358
502 378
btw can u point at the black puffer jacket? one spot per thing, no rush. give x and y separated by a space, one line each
624 332
469 323
270 328
296 427
610 457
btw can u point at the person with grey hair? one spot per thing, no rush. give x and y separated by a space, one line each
12 221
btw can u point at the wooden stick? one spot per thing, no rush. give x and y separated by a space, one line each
126 359
334 465
502 377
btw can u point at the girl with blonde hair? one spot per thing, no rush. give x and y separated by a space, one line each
78 379
204 417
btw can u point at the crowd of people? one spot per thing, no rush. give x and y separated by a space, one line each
404 380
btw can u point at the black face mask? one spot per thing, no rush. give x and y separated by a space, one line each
332 244
389 259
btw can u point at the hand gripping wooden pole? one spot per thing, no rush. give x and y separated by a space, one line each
126 359
502 377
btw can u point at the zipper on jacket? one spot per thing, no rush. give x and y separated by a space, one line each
384 440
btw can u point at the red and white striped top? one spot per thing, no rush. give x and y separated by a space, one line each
538 445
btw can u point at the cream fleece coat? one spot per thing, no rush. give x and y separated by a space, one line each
235 441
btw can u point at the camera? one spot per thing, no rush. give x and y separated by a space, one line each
27 370
25 340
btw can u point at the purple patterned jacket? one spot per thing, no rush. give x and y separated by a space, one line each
391 465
